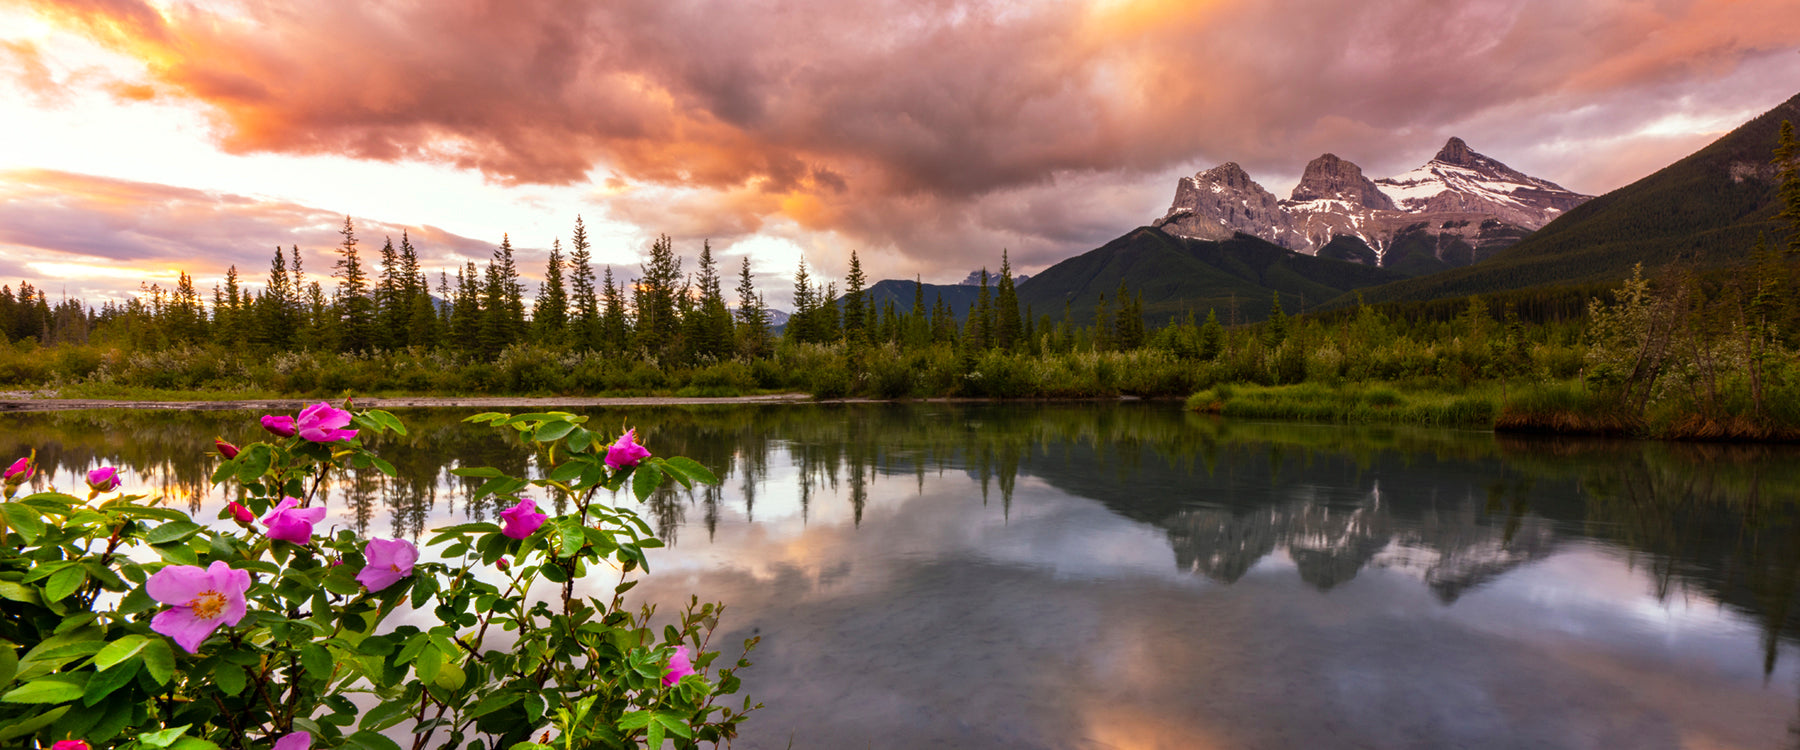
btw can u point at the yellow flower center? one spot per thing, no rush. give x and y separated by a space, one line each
393 567
208 605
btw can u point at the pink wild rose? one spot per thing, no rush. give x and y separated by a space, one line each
240 514
71 745
291 523
281 426
227 450
294 741
200 601
626 452
19 471
522 519
679 666
103 479
321 423
389 561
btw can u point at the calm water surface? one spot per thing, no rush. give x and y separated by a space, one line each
1128 576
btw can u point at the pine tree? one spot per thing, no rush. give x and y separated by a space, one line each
1130 324
550 315
855 306
1787 160
584 324
800 326
275 313
980 328
615 327
352 308
752 316
465 310
658 325
1276 330
422 316
1008 329
391 310
502 302
1103 339
1212 337
709 330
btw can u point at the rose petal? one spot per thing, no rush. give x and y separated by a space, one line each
178 584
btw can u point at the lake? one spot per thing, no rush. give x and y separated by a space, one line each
1125 575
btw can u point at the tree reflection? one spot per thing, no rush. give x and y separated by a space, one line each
1454 510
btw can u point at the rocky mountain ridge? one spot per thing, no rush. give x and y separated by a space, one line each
1458 208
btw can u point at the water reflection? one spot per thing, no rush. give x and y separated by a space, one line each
1130 576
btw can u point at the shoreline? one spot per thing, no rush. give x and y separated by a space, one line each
14 404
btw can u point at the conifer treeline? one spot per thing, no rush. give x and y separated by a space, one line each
665 315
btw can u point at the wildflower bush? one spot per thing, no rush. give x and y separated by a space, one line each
131 625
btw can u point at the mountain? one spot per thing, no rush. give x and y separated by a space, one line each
974 279
1237 276
1705 210
1458 208
958 297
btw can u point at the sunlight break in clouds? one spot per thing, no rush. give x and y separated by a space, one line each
926 134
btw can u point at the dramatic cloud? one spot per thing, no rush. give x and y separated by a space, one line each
930 127
96 236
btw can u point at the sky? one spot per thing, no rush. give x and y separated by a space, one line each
143 138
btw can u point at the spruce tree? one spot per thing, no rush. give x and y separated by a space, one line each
584 323
352 308
391 311
1008 329
276 316
1212 337
800 326
980 328
615 327
550 314
422 325
658 323
752 316
1787 161
709 331
855 306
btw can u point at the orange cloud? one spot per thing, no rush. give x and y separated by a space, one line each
902 123
55 224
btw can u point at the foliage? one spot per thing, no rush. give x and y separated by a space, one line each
453 651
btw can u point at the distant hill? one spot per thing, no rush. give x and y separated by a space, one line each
1706 210
1179 274
956 296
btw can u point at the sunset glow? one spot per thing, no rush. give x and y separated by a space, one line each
925 136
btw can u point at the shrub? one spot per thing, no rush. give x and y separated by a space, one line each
134 621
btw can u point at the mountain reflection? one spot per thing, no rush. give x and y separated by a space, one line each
1454 510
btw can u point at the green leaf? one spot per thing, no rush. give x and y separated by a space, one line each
103 684
64 582
451 677
9 663
386 715
254 462
498 486
693 469
177 552
494 702
24 519
553 431
428 662
159 661
465 528
139 511
172 531
316 661
193 743
570 536
567 470
19 592
424 587
545 416
477 471
675 724
486 416
230 678
56 688
28 727
635 720
162 738
119 651
645 481
579 440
